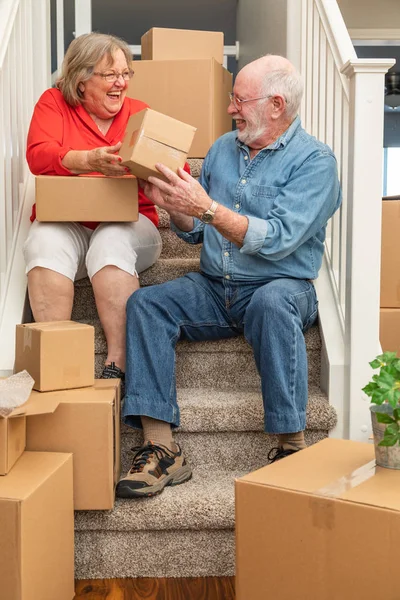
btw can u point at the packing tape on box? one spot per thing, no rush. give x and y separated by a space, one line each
348 482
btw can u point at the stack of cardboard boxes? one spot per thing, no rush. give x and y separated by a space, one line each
58 452
390 275
181 75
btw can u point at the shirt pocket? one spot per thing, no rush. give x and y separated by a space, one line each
265 191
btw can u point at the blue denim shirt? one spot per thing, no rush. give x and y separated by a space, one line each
288 191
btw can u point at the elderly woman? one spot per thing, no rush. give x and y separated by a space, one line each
76 129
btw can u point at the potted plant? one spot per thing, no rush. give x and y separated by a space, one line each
384 391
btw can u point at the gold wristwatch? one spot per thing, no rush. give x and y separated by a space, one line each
209 214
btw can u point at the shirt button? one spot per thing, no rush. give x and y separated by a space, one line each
237 205
227 276
246 158
226 253
243 181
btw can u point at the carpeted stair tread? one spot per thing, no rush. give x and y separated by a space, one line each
174 247
204 502
168 553
228 451
215 410
233 345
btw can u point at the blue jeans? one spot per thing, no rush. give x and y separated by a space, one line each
272 316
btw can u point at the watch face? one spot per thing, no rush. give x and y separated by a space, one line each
207 217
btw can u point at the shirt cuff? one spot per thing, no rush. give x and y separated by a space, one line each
198 228
59 167
255 235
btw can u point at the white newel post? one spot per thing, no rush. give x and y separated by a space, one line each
364 233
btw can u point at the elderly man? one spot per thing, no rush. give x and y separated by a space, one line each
265 194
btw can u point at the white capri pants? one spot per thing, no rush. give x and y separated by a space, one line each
76 251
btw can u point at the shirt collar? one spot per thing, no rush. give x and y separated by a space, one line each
281 141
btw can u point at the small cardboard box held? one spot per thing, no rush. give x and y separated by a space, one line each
152 137
321 524
86 199
191 91
170 44
86 423
13 430
58 355
37 529
390 256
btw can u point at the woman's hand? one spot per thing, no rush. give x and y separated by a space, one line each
103 160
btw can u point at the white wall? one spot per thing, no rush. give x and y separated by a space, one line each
261 28
371 14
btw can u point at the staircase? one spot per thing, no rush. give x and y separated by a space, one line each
189 530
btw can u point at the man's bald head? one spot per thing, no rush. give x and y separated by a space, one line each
274 75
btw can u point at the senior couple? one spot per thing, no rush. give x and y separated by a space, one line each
260 208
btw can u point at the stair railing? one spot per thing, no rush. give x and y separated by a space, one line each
344 107
24 74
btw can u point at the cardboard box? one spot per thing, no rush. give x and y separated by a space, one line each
152 137
191 91
389 330
390 258
170 44
86 423
58 355
37 529
13 430
318 525
86 199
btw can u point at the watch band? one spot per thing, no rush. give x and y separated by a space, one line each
208 215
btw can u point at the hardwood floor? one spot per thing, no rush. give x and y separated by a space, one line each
199 588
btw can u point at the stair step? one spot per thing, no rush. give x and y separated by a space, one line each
187 505
211 410
174 247
244 451
213 368
165 269
168 553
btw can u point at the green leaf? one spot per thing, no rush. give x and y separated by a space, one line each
385 380
384 418
370 388
392 429
390 440
375 364
396 414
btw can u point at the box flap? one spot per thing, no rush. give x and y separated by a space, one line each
31 470
39 403
168 131
54 325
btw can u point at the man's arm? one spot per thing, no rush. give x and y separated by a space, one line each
185 199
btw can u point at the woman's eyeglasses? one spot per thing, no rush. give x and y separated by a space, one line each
112 76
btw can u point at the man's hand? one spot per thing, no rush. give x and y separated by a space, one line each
181 194
103 160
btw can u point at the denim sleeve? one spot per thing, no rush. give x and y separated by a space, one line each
304 205
195 236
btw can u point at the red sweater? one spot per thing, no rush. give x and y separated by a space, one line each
56 128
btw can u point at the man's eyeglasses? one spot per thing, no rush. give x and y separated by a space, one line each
112 76
237 102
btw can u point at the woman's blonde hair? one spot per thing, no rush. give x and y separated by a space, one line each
80 59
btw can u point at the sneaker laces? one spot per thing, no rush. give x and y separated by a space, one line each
144 454
278 453
111 371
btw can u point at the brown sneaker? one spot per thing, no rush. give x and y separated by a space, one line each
153 467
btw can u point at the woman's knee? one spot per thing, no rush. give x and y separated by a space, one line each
132 247
55 246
